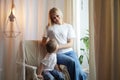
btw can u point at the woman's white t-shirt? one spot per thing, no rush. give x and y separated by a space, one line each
61 33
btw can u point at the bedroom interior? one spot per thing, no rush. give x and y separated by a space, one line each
31 16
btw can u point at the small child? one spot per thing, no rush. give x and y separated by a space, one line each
48 67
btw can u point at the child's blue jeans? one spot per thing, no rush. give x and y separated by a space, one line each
53 75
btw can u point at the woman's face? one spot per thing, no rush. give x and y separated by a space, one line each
56 18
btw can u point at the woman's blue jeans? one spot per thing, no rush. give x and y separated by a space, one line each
70 59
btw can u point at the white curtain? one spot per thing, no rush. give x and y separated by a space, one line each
105 39
31 16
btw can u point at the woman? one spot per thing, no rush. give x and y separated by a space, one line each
64 35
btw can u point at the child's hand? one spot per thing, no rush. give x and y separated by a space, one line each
40 77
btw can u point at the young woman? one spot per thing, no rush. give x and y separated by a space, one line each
64 35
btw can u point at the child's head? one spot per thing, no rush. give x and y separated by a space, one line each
51 46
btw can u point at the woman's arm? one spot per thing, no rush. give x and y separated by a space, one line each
68 45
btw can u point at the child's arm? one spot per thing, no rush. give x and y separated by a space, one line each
39 71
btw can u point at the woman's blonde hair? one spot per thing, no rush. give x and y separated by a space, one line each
52 11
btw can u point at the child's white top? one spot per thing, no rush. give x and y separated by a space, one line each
61 33
49 61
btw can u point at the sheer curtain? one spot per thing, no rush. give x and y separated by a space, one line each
31 16
105 35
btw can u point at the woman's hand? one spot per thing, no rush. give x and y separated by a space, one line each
68 45
44 40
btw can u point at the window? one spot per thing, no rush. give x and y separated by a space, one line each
82 23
